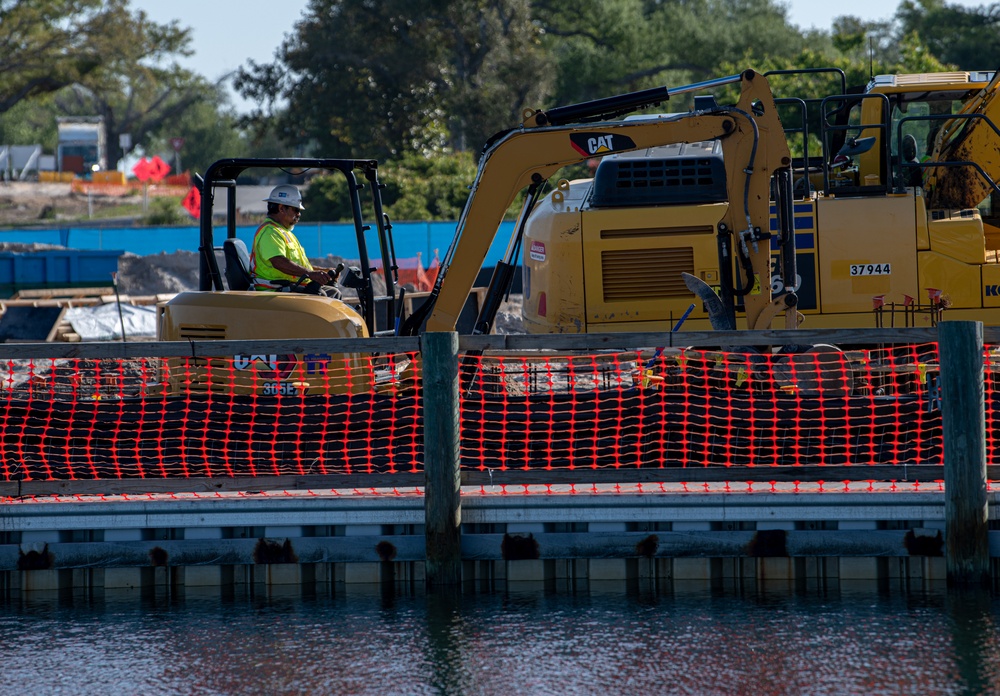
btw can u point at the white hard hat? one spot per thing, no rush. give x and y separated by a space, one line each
286 194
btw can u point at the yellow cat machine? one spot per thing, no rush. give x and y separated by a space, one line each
894 215
589 277
233 311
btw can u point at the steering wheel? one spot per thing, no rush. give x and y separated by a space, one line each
334 275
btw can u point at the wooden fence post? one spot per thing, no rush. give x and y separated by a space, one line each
963 417
442 492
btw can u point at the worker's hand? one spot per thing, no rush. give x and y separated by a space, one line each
319 276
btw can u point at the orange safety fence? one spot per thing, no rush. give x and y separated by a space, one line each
695 408
256 415
237 416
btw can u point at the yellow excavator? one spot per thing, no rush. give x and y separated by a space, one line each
753 164
894 216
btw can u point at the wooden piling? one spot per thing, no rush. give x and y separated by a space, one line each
963 410
442 501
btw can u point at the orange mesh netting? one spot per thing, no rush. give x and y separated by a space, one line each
318 414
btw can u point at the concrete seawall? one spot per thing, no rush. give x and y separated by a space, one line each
551 534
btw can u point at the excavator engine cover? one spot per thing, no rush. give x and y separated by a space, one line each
666 175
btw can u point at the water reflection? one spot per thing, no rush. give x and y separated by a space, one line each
974 639
688 640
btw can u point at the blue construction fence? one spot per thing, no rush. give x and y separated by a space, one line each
320 239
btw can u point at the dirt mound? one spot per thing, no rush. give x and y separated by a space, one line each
21 248
157 274
509 319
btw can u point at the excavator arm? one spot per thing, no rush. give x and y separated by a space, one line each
970 137
754 148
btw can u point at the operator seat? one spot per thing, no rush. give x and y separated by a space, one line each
913 176
237 264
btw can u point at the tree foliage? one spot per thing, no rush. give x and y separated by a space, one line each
966 37
46 45
138 89
87 58
364 79
380 79
208 136
416 188
31 122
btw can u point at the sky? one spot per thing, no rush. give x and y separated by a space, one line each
228 33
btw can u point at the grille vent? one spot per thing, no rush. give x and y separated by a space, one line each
679 174
638 233
645 274
202 333
665 173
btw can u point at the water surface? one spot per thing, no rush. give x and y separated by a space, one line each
532 642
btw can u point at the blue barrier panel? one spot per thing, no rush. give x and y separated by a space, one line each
320 239
55 237
57 268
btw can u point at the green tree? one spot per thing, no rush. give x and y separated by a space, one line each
137 88
209 133
605 48
96 58
601 48
852 58
429 188
31 121
416 188
967 37
364 79
46 45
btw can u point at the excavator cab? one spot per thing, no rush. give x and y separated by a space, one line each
855 132
801 119
844 167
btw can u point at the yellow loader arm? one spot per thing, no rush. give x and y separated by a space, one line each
754 148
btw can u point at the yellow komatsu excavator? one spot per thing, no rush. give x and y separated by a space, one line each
896 214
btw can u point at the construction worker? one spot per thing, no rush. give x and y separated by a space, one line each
277 261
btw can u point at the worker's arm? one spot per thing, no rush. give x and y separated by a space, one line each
318 275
